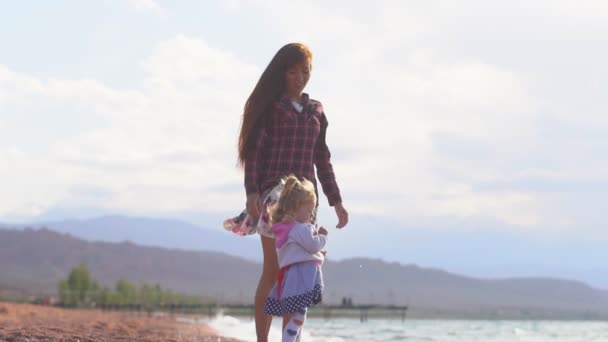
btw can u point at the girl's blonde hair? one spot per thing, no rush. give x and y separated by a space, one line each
295 193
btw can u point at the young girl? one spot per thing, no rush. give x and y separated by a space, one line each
283 132
299 248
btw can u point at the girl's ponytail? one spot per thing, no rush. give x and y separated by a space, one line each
290 183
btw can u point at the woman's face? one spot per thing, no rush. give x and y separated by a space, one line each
296 78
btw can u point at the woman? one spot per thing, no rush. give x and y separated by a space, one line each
282 133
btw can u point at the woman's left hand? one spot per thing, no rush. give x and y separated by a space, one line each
342 215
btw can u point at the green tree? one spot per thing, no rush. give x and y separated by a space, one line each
79 288
65 296
103 296
126 292
149 295
80 283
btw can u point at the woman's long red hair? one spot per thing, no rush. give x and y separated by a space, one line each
269 88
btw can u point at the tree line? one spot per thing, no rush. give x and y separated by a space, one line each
82 290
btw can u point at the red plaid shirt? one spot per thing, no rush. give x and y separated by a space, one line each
292 142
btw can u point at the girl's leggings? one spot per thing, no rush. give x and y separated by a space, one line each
293 329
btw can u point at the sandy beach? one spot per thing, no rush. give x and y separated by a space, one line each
33 323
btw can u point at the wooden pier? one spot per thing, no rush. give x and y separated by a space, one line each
364 312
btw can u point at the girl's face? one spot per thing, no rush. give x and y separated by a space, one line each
296 78
304 212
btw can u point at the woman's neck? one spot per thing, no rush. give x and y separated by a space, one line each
295 97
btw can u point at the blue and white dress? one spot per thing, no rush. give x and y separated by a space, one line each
300 281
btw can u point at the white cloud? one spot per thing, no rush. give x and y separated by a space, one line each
436 110
160 147
17 88
30 185
150 6
410 72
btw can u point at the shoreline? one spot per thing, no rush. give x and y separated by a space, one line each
429 317
28 322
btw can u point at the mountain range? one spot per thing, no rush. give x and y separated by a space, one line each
477 249
39 258
160 232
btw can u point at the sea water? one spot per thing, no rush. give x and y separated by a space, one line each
338 330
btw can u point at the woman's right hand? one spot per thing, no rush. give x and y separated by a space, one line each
253 204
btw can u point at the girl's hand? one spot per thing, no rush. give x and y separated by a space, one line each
342 215
322 231
253 204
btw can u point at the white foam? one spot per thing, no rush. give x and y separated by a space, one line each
244 329
241 328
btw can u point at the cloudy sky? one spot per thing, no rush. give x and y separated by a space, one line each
487 112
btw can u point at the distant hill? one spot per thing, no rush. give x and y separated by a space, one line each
444 293
478 253
39 258
43 257
155 232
